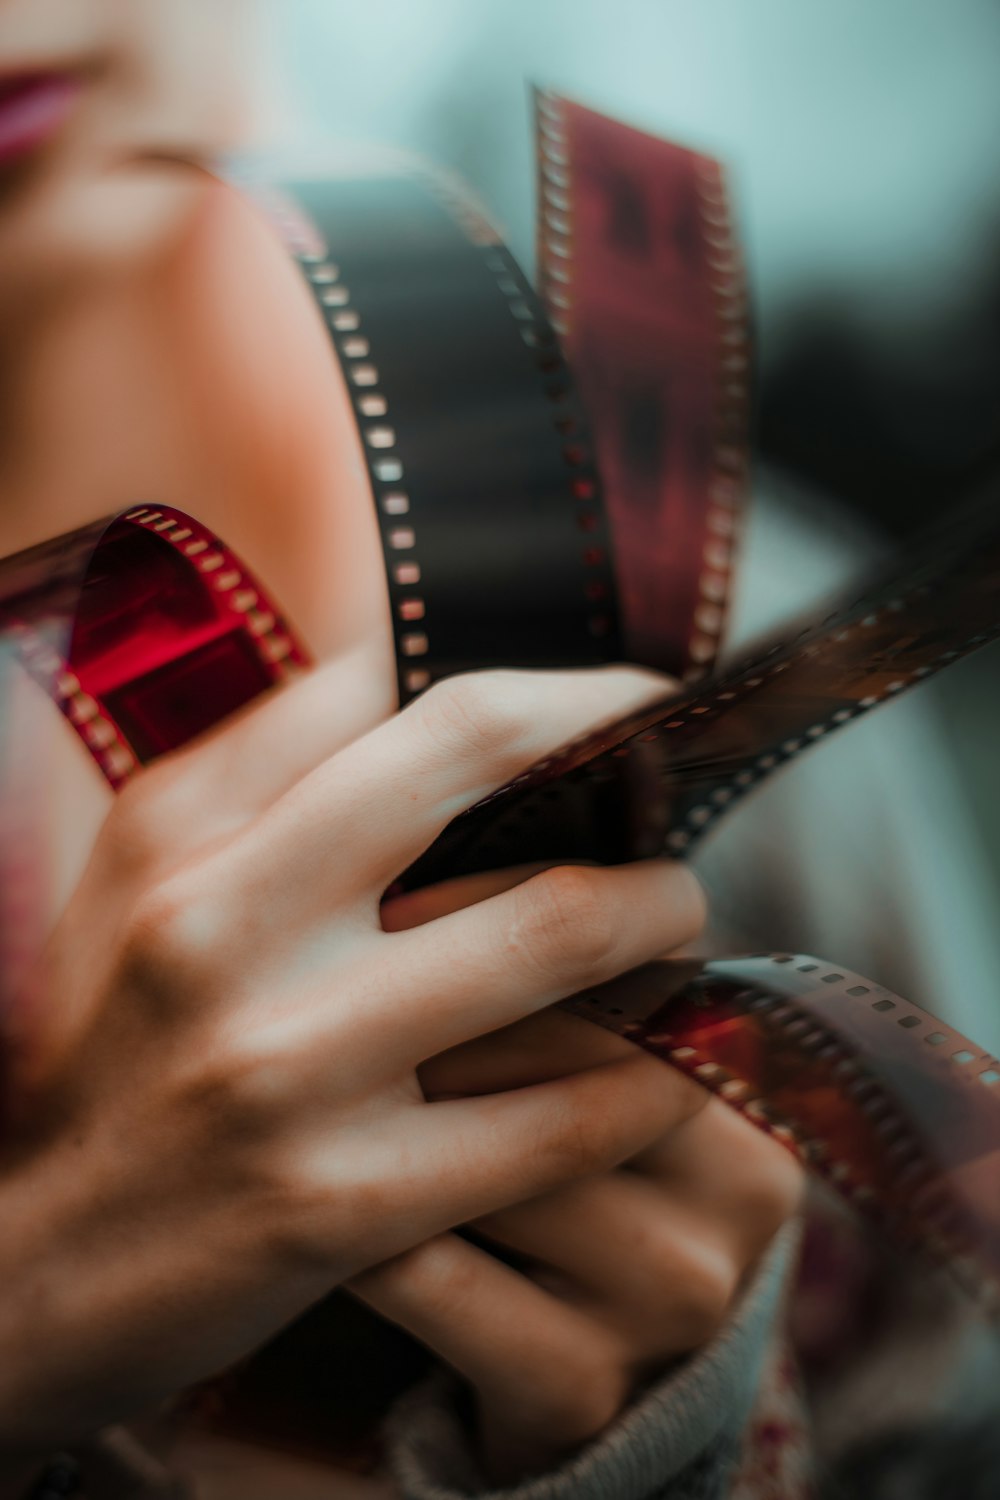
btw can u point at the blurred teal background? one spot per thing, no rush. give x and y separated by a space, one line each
862 134
863 140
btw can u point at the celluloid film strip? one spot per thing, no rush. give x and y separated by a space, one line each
897 1112
894 1110
672 771
641 273
493 529
151 632
171 632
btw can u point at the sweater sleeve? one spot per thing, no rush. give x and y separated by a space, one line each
681 1440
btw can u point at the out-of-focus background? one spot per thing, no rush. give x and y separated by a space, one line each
863 139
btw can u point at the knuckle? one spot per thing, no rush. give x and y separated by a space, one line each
771 1195
306 1228
148 814
710 1283
563 926
600 1396
443 1283
171 939
301 1227
577 1408
767 1188
244 1086
288 1206
131 837
478 713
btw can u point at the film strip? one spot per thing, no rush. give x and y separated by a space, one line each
695 756
632 511
898 1113
642 276
149 630
495 540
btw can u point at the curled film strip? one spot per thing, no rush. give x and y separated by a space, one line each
901 1118
896 1111
640 271
151 632
495 541
462 392
698 753
592 537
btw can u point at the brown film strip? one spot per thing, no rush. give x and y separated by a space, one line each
675 769
170 632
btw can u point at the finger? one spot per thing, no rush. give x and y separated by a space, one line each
386 796
479 1155
481 968
662 1274
539 1048
414 908
549 1368
216 785
255 758
729 1173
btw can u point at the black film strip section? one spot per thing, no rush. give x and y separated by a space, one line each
496 544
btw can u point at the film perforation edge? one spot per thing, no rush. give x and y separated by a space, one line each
386 469
889 1169
540 320
580 495
727 492
684 639
211 566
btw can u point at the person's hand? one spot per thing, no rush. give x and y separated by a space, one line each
598 1284
214 1112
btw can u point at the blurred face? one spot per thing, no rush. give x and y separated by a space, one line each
104 106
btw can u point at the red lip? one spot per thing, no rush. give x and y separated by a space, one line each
33 107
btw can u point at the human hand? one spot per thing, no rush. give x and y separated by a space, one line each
214 1110
559 1307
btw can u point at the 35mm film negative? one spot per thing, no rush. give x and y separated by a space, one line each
518 530
495 540
151 632
642 278
897 1112
678 767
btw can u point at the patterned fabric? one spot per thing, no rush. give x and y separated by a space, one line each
777 1462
